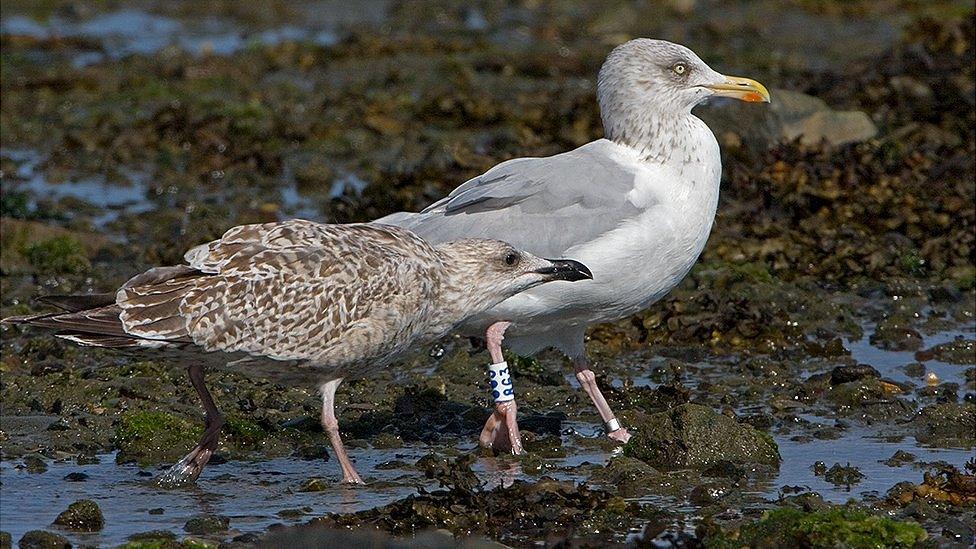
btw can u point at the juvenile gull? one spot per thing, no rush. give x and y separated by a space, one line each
641 202
340 300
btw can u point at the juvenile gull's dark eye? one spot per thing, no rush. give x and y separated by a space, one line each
511 258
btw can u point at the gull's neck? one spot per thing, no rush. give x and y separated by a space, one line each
457 296
659 137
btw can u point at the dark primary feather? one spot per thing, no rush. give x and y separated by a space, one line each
100 323
78 302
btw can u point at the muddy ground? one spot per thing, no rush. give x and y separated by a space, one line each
812 382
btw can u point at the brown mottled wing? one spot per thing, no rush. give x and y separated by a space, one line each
331 294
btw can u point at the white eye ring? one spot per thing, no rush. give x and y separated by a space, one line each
679 68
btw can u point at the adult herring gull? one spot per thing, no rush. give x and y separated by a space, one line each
637 205
339 300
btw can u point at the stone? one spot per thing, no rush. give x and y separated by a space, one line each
207 524
81 516
34 463
791 115
947 424
960 351
691 435
846 475
893 334
857 372
39 539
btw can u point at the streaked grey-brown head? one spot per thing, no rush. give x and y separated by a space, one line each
481 273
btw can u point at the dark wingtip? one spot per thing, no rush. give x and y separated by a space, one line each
78 302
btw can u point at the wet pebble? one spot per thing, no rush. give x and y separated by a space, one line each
709 493
154 538
312 452
827 433
946 424
294 513
87 459
59 425
725 469
315 485
915 369
76 477
34 463
39 539
961 351
207 524
81 516
692 435
894 334
857 372
899 458
847 475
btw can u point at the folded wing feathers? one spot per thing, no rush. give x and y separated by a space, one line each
253 291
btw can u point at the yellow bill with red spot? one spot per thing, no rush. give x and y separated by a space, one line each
743 89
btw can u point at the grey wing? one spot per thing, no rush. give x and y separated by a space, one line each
542 205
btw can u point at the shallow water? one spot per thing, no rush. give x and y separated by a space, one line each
892 364
112 199
861 448
252 493
135 31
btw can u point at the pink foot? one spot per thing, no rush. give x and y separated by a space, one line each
621 435
501 432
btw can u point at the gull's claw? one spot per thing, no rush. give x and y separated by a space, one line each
501 432
186 471
621 435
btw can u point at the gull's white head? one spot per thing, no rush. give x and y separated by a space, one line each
644 79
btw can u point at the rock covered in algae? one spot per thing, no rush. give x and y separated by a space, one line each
696 436
836 527
81 516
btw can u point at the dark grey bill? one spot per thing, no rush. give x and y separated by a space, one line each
565 269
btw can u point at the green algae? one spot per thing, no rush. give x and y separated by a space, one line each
160 541
151 437
244 432
58 255
837 527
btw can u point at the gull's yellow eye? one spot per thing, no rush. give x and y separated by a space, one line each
679 68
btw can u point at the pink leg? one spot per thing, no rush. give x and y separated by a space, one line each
587 380
331 426
501 432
